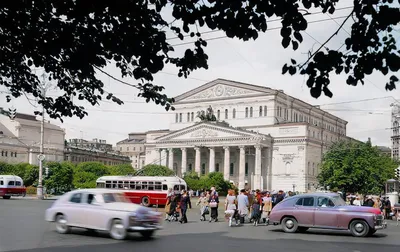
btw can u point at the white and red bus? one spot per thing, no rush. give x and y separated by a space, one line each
11 185
145 190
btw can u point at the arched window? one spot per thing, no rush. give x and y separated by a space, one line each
260 111
226 113
231 169
176 117
203 169
247 112
192 116
188 117
265 110
234 113
251 111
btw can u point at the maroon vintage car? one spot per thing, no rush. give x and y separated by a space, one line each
328 211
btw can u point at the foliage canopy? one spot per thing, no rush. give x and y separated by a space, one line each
356 167
73 39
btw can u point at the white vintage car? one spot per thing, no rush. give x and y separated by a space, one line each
102 209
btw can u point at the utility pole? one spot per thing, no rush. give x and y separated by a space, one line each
41 155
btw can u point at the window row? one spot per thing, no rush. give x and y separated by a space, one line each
5 154
127 149
12 183
314 170
299 117
224 114
320 136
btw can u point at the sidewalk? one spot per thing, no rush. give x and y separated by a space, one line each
34 197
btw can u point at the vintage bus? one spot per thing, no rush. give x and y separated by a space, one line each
145 190
11 185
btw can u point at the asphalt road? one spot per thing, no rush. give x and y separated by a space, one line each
22 228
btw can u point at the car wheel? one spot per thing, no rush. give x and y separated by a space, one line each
147 234
117 230
146 201
359 228
61 224
289 225
302 229
371 232
6 197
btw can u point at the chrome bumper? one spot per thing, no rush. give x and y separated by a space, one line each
144 228
382 226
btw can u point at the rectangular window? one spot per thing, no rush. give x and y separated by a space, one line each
176 117
188 117
226 114
192 116
231 170
308 201
246 169
180 117
218 114
265 110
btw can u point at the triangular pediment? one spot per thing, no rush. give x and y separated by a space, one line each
206 131
222 89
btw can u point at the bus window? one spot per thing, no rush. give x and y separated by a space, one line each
108 185
144 185
11 183
132 185
176 187
165 187
183 187
115 184
126 184
1 182
158 186
138 185
18 183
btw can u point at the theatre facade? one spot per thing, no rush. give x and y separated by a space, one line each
262 138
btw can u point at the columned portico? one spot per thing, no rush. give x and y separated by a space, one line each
163 158
171 158
210 147
226 162
242 165
184 161
197 160
257 169
211 166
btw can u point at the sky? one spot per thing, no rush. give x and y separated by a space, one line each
366 108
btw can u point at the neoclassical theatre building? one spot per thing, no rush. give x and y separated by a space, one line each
263 138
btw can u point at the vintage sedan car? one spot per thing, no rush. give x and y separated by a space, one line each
102 209
327 211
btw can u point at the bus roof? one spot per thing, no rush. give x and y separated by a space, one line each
10 177
142 178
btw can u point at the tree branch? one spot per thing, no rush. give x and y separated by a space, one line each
334 34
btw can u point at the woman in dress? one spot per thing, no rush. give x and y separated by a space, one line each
231 206
213 203
203 203
184 205
267 207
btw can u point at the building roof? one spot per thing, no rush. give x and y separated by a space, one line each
131 141
7 137
384 148
253 87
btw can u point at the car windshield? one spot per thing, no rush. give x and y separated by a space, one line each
113 197
338 201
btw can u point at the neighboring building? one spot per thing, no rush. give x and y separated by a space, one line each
95 144
21 139
77 155
273 141
134 148
385 150
395 130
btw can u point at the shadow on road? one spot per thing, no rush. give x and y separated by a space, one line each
329 233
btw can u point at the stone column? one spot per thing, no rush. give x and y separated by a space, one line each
257 170
163 158
242 165
171 158
226 162
268 153
184 162
197 160
211 166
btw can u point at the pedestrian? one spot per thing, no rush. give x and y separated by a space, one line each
243 205
231 206
204 208
213 203
266 208
184 204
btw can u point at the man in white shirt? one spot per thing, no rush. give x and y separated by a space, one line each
243 204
